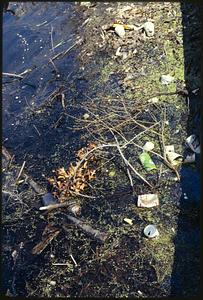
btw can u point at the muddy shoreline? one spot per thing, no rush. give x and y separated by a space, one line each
88 97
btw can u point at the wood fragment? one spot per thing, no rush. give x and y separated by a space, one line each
35 127
94 233
12 75
38 189
45 241
70 205
21 170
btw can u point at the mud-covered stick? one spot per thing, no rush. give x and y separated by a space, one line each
96 234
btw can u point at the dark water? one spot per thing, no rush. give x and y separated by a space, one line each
27 45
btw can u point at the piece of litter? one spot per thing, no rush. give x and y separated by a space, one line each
112 173
151 231
169 148
148 200
147 162
129 221
174 158
120 31
118 53
86 116
148 146
166 79
153 100
52 282
193 142
148 28
125 55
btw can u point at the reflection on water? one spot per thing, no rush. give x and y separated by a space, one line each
35 34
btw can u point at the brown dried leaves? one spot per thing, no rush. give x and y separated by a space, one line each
73 179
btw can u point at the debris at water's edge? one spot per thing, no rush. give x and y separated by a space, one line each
109 213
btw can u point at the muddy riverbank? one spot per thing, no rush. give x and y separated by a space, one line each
87 89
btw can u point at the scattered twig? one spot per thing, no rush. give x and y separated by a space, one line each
21 170
52 43
83 195
63 100
12 75
73 260
57 205
45 241
53 64
37 130
101 236
88 153
66 51
59 264
128 164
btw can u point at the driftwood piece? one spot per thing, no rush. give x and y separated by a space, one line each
71 206
96 234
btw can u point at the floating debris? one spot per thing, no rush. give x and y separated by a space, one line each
148 146
129 221
193 142
148 200
151 231
147 162
166 79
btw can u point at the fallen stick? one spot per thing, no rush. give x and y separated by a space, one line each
29 180
21 170
72 207
38 189
98 235
63 53
12 75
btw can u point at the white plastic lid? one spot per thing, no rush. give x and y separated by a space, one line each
151 231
